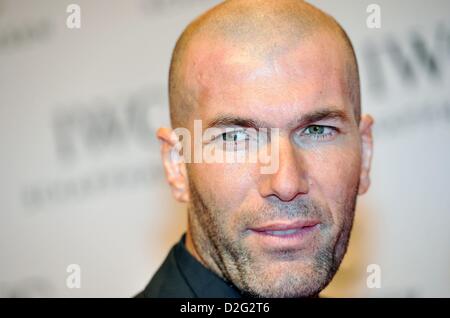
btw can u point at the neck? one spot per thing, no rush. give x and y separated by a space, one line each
191 247
203 257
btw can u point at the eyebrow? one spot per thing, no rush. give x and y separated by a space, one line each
227 120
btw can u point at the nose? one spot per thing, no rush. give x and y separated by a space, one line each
290 179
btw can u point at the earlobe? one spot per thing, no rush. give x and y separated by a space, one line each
174 166
365 131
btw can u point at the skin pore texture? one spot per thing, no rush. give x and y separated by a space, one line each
288 65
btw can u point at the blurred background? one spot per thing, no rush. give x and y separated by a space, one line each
81 179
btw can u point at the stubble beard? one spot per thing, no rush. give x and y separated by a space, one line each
227 257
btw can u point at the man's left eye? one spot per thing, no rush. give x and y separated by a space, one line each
319 131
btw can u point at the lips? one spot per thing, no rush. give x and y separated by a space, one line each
285 236
285 229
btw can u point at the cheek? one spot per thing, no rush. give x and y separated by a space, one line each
224 186
333 174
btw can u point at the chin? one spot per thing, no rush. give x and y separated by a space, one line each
289 280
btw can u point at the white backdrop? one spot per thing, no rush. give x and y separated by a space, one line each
81 181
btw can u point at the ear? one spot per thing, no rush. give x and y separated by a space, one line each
365 131
174 166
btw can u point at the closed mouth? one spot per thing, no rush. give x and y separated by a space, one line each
285 229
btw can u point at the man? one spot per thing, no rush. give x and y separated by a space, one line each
253 64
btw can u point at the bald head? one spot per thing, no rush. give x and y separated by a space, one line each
264 29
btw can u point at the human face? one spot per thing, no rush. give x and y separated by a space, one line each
282 234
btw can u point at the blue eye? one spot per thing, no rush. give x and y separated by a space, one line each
319 131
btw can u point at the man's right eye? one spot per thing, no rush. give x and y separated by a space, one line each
234 136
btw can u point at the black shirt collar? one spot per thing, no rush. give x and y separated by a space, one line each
203 282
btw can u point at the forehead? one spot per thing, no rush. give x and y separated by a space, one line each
226 78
